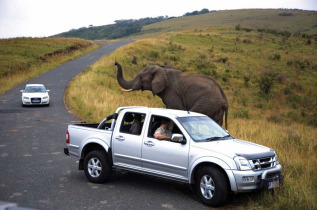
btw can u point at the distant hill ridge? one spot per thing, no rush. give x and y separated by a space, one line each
293 21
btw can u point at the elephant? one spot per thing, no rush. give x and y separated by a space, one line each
179 90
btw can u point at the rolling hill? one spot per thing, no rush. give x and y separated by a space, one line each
294 21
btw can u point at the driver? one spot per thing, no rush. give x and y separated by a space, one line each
164 132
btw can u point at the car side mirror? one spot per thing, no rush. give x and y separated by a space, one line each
21 91
47 90
178 138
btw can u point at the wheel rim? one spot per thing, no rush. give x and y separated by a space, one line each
207 187
94 167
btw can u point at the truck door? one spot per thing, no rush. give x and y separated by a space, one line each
164 157
127 141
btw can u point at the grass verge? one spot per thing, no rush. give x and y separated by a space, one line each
25 58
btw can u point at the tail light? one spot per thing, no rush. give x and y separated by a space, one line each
67 137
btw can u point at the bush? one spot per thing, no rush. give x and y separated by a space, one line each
246 81
308 42
266 81
276 56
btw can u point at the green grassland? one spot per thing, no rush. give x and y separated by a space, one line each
24 58
294 21
270 82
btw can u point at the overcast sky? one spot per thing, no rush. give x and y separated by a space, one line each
40 18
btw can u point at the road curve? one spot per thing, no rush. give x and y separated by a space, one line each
34 172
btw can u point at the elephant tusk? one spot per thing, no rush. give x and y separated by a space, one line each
124 90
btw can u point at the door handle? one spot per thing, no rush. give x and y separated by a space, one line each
149 143
120 138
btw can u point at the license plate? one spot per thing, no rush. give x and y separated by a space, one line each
274 184
36 101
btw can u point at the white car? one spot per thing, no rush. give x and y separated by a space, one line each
35 94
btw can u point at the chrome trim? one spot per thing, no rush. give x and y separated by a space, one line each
164 164
126 157
151 173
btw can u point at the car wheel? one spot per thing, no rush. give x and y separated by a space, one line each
212 186
97 167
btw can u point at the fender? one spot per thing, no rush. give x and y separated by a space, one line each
222 164
95 141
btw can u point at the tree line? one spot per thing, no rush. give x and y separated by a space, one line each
121 28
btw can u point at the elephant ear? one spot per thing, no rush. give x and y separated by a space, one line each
159 82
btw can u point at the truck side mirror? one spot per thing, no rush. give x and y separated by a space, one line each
178 138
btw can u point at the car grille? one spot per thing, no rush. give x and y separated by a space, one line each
263 163
36 100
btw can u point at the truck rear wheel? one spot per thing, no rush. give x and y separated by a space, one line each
96 166
211 186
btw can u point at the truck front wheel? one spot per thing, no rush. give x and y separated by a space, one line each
211 186
96 166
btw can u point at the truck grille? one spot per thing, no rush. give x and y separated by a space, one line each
264 163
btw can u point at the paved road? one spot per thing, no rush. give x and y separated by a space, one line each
35 173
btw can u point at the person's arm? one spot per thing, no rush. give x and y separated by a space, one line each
161 136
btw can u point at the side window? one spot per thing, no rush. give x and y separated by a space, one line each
155 123
132 123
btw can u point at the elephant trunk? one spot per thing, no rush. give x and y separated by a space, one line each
123 83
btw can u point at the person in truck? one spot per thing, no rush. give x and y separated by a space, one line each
164 132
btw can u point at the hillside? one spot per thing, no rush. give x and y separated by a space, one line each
24 58
293 21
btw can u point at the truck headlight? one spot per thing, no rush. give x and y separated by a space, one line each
275 160
242 163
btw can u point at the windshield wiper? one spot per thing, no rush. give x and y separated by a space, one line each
218 138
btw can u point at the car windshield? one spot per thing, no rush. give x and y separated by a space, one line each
202 129
35 89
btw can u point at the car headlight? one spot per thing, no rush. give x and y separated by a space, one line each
45 97
242 163
24 97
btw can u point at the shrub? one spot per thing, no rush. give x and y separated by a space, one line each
276 56
266 81
135 60
246 81
308 42
222 60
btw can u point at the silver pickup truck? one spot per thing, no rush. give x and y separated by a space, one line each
199 152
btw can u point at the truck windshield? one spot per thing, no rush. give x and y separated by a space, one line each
202 129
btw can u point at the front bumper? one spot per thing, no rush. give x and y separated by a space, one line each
257 180
39 101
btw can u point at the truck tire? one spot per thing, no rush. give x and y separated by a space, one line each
97 167
212 186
